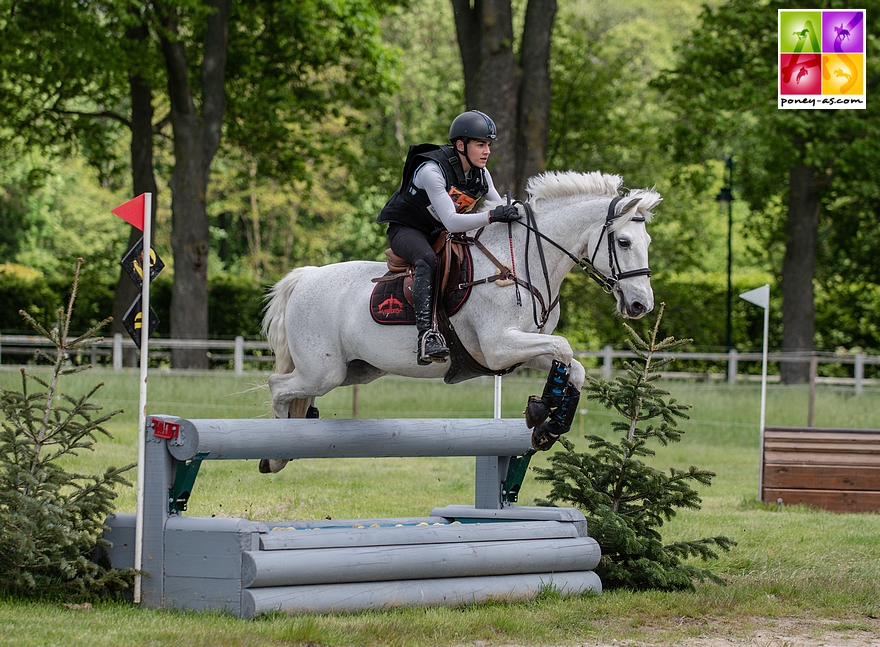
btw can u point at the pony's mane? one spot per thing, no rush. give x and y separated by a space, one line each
563 184
555 184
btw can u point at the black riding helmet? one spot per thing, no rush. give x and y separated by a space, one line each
472 125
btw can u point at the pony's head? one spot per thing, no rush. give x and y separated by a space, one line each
615 241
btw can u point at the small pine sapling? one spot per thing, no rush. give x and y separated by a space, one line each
52 518
625 500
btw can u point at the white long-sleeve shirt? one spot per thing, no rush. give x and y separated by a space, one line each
429 177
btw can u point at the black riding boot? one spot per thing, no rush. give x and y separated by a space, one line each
431 345
548 432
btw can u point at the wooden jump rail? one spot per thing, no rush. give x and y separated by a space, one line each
459 554
834 469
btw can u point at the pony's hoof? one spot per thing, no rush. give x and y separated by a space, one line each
542 440
536 411
272 465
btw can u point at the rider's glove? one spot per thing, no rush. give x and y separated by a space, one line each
504 213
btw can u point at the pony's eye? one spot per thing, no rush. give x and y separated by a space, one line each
624 243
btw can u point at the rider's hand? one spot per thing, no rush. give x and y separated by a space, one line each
504 213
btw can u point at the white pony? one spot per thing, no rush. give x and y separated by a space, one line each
318 323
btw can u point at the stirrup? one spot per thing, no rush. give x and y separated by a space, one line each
438 351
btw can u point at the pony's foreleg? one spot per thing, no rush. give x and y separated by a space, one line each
552 414
538 409
560 420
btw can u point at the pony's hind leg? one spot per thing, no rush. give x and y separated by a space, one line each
286 389
292 397
297 408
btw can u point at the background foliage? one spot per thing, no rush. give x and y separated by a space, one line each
315 201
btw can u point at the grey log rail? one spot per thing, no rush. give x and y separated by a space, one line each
831 468
459 554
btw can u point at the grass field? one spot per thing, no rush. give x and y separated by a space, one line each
810 574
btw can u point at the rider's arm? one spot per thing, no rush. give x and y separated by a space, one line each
430 178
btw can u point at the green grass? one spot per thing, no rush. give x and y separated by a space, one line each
794 563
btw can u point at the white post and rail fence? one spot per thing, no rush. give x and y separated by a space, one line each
248 355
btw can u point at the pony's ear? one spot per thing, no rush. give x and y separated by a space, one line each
625 206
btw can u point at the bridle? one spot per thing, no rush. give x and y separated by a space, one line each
609 283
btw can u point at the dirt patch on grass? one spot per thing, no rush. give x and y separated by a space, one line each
760 632
752 631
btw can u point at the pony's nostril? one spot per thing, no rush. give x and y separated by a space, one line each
637 309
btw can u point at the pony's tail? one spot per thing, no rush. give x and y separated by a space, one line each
274 320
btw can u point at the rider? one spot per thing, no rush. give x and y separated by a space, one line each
441 188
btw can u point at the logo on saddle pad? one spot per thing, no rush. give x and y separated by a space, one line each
390 307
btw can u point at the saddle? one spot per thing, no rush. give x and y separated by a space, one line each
392 301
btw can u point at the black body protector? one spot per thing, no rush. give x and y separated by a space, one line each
411 207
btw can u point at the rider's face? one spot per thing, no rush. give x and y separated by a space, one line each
478 151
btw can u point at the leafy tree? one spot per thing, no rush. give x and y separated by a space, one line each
625 500
52 517
796 165
263 72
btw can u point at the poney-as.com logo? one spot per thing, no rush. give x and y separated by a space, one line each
821 58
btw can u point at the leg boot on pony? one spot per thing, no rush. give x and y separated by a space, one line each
431 345
548 432
537 408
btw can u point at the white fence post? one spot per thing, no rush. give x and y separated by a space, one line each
859 374
239 355
607 359
732 365
117 351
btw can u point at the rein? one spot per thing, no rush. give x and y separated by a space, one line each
608 283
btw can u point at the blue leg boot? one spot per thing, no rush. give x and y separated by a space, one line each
537 408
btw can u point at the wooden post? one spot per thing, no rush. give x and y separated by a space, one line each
814 363
859 373
238 355
732 365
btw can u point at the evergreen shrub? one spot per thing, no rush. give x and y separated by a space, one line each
52 517
624 499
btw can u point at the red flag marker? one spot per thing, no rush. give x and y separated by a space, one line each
132 211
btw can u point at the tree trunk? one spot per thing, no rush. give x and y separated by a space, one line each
143 181
491 76
196 139
798 267
533 114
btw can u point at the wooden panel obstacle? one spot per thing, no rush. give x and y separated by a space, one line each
834 469
458 554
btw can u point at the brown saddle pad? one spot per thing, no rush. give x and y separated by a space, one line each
390 306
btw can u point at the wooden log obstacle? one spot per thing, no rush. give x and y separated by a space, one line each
458 554
834 469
